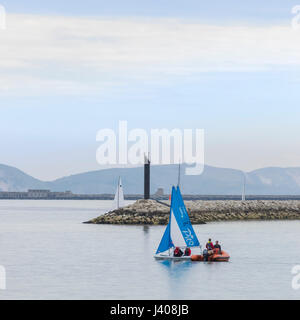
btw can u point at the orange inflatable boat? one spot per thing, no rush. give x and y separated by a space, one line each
216 256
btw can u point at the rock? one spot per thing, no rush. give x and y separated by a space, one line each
157 213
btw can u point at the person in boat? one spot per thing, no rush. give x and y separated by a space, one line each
178 252
210 247
205 255
187 252
218 246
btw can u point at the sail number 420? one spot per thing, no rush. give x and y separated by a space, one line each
176 310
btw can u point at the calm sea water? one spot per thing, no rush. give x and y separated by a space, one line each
49 254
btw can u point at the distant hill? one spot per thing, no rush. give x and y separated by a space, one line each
266 181
13 179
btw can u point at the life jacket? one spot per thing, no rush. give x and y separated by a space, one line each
187 252
209 245
176 251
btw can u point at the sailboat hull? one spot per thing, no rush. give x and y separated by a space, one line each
167 257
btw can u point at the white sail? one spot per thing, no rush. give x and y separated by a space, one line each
176 234
119 201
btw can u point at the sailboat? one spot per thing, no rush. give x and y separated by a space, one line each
179 231
119 201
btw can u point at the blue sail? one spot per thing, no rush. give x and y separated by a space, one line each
183 221
166 242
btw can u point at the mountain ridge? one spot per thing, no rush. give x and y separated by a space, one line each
213 180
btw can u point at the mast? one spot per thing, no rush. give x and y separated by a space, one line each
118 201
179 174
244 187
147 178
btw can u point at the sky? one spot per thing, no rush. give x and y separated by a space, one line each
71 68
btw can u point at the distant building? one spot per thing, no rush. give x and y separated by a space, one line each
159 192
13 195
38 194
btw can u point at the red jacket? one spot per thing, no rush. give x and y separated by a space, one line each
187 252
210 246
176 250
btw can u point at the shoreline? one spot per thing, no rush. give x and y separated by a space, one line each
152 212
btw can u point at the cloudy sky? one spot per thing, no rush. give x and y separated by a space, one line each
69 69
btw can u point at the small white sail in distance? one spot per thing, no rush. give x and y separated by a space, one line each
119 201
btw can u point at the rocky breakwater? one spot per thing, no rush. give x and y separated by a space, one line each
157 213
140 212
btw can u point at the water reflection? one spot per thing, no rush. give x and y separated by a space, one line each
175 269
176 274
146 229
